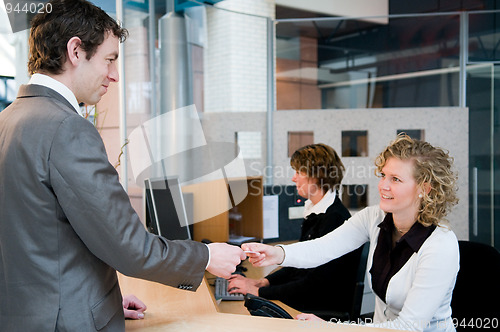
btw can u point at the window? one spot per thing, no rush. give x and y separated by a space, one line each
355 196
298 139
413 133
355 143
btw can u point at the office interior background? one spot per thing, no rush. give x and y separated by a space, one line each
274 75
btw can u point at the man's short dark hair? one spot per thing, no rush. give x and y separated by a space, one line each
51 31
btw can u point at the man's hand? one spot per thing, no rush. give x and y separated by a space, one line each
133 308
224 258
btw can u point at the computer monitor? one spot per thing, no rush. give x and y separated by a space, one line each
165 209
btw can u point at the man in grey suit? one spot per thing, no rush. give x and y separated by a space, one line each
66 224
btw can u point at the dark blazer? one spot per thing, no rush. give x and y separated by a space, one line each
322 288
67 225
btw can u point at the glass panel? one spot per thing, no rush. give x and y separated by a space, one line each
7 91
207 64
138 78
484 37
483 90
329 63
342 63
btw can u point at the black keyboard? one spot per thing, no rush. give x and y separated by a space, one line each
221 292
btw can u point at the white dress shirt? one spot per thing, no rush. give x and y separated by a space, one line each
63 90
418 296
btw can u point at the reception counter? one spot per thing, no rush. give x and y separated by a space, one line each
172 309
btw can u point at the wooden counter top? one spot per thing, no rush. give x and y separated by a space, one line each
171 309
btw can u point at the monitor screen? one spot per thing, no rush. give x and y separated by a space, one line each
165 209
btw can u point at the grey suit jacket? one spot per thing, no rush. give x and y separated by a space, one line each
66 224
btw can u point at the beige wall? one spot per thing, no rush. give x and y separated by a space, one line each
328 125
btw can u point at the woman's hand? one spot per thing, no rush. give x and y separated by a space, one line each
261 255
311 317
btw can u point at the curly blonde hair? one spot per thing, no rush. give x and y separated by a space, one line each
433 166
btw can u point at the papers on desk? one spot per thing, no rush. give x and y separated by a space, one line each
271 217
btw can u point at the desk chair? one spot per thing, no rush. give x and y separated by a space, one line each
476 295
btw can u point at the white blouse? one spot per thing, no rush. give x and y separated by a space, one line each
320 207
418 295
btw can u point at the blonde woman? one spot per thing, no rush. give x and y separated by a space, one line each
413 259
318 176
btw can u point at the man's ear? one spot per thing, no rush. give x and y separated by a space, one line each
75 53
